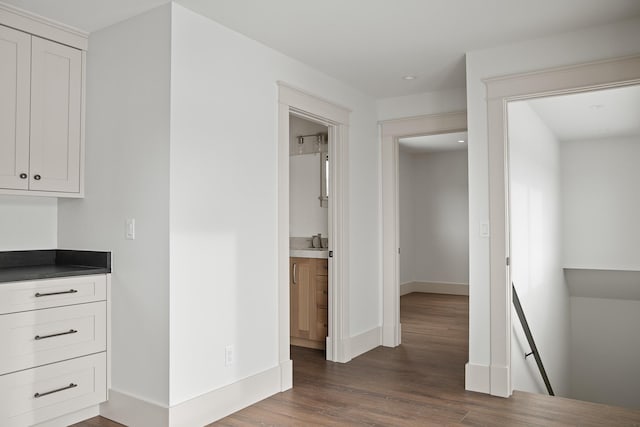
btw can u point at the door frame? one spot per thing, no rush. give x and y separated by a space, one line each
390 132
587 77
303 104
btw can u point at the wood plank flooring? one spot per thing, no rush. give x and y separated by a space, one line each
420 383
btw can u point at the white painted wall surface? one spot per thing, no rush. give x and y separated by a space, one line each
592 44
306 216
605 348
406 210
127 176
224 202
28 223
601 203
421 104
440 218
536 251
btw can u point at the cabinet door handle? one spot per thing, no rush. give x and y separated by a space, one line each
23 176
70 291
41 337
37 177
295 282
71 385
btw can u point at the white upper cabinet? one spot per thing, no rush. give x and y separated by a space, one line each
41 108
15 60
56 95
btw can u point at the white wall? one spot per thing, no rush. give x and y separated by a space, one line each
28 223
420 104
223 164
536 251
581 46
610 341
306 217
406 210
601 203
127 176
438 223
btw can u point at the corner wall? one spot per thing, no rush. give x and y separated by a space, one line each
127 176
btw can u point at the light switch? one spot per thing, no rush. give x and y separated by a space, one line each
130 229
484 229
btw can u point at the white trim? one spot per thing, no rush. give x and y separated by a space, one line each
366 341
134 411
217 404
435 288
31 23
292 100
501 90
72 418
390 131
477 378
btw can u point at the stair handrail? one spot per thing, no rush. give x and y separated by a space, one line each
532 343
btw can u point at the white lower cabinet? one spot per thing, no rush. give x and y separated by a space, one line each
54 352
40 394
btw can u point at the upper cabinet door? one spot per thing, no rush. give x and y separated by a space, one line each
15 47
56 101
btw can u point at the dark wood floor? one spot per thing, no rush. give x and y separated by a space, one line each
419 383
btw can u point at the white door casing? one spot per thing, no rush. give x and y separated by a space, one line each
390 132
500 90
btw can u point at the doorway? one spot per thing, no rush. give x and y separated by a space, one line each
500 91
573 209
335 118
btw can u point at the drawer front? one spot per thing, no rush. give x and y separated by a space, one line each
322 292
34 338
36 294
322 267
36 395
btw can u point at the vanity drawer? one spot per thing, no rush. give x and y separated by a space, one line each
34 338
36 395
322 267
36 294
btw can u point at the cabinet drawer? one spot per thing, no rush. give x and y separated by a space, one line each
34 338
322 267
36 395
322 292
322 320
36 294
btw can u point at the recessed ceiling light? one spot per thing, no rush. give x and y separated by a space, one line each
409 77
596 106
461 141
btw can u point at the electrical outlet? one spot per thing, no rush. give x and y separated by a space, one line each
228 355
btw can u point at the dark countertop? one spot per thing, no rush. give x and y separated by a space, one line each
49 263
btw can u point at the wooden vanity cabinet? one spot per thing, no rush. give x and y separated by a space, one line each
308 286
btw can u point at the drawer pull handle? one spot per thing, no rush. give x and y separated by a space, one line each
72 385
70 291
41 337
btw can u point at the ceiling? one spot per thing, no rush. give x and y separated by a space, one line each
590 115
434 143
370 44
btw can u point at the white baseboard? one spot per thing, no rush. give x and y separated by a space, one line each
366 341
202 410
500 381
477 378
133 411
73 418
224 401
434 288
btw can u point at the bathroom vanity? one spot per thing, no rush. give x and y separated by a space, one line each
309 297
